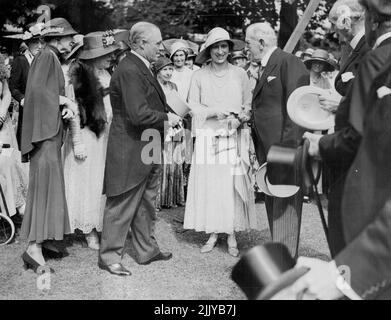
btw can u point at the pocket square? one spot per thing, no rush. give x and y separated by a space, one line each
270 78
383 91
347 76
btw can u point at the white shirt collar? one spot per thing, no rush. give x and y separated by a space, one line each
29 56
267 56
356 39
146 62
381 39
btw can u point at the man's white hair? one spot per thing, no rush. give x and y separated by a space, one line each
264 31
346 9
140 31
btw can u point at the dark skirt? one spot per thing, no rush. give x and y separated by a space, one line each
46 215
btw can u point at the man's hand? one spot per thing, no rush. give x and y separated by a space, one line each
330 102
313 150
173 119
67 114
320 282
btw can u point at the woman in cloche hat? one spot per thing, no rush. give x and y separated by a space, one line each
220 196
320 65
171 189
85 148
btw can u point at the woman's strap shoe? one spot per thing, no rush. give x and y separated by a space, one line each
30 263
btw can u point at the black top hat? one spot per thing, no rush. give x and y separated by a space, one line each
265 270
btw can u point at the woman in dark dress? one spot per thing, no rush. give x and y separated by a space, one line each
46 215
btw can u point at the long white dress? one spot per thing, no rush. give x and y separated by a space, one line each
220 195
84 179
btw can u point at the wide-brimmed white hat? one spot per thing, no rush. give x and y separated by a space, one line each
305 110
214 36
179 46
280 191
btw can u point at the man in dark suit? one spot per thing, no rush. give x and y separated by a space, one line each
19 72
366 205
131 181
280 74
338 150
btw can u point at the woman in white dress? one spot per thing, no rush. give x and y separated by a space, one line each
85 148
220 194
13 174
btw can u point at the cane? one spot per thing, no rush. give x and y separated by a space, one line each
314 182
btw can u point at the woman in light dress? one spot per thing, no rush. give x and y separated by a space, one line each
220 194
172 189
85 148
13 174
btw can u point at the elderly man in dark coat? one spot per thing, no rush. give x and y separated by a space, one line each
280 74
362 270
131 181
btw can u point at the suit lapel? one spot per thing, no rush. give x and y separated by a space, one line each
143 68
268 70
353 56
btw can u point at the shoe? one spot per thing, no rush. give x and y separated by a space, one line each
208 247
92 240
233 251
160 256
30 263
117 269
53 251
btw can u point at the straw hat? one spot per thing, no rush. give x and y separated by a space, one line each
308 53
306 111
58 27
214 36
320 55
97 44
178 46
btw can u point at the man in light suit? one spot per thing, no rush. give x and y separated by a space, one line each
280 74
131 183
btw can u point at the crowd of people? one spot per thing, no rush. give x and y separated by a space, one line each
75 110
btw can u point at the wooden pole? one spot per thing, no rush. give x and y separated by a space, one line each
300 28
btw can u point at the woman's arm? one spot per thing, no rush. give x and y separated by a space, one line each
5 101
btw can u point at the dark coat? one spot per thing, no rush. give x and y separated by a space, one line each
339 149
351 65
18 81
138 104
366 206
270 121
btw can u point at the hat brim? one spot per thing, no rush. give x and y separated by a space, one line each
74 51
284 281
60 35
305 110
279 191
97 52
204 55
328 65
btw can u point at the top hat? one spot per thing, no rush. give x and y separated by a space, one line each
279 175
58 27
383 7
265 270
214 36
161 63
320 55
305 110
98 44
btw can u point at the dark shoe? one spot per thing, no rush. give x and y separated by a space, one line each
52 251
117 268
30 263
160 256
